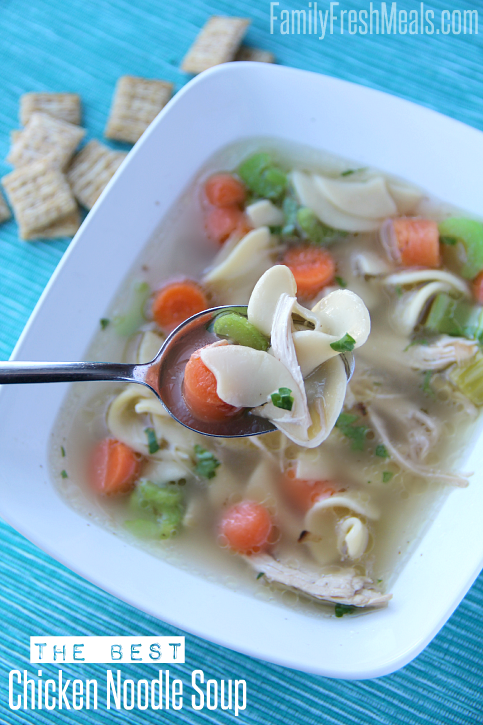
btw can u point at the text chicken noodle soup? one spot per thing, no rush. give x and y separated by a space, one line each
332 261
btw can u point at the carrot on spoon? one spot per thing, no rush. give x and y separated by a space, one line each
313 268
113 467
246 526
177 301
199 392
224 190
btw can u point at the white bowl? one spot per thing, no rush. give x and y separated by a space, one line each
217 108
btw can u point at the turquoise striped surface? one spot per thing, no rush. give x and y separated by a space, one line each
83 47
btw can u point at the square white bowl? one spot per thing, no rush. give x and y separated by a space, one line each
220 107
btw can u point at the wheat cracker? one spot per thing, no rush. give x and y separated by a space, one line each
46 138
90 171
64 106
255 55
39 195
136 102
218 42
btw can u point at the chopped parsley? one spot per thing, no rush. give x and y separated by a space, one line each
153 445
341 282
449 241
104 322
426 386
341 609
206 463
386 476
381 451
283 398
345 344
349 172
62 451
64 474
398 290
260 574
356 433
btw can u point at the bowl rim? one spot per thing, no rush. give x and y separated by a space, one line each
380 647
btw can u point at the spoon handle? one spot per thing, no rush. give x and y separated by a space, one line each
67 372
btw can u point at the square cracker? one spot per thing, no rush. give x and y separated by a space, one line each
15 134
90 171
64 106
217 43
46 138
4 210
255 54
136 102
39 195
64 228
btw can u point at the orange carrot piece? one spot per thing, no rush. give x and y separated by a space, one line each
418 242
304 493
114 467
313 268
478 288
177 301
222 222
246 526
224 190
199 392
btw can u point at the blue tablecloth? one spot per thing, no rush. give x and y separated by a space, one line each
84 47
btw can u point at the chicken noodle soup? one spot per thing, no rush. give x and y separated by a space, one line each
331 260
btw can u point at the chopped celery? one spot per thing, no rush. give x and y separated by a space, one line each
128 323
289 208
149 498
470 233
262 177
237 328
315 231
161 509
469 379
143 528
455 317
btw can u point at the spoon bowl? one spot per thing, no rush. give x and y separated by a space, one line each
163 375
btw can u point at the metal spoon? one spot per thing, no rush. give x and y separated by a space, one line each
163 375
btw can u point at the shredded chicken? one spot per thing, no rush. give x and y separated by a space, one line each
446 351
345 587
405 461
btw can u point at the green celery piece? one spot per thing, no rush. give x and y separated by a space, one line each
469 378
143 528
149 498
169 521
314 230
283 399
237 328
382 451
289 208
262 177
128 323
455 317
153 445
470 233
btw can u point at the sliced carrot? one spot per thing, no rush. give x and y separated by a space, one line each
113 467
199 392
304 493
224 190
177 301
313 268
478 287
246 526
418 242
222 222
